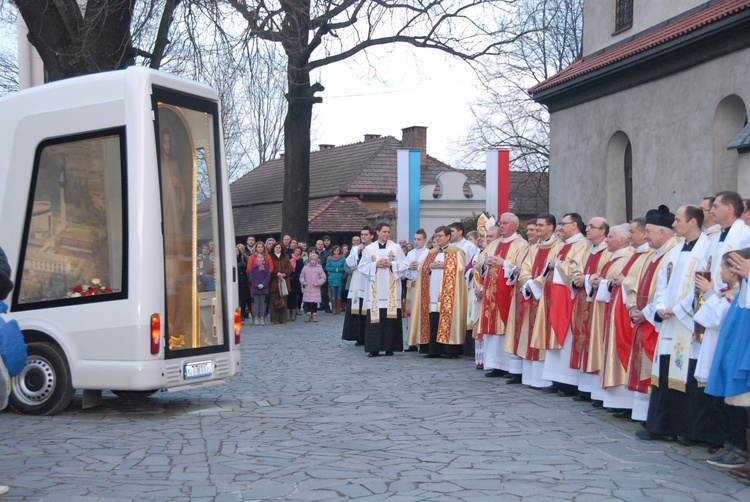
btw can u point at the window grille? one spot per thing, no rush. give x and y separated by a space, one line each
623 15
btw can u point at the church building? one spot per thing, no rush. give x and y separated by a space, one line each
652 112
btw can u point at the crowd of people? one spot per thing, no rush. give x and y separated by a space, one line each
648 319
283 279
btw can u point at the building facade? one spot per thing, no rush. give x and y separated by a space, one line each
646 116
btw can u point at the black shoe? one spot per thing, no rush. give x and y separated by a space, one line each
514 379
624 415
480 367
453 357
432 356
714 448
358 344
584 397
550 389
373 354
685 441
389 353
495 374
647 436
411 349
565 392
596 403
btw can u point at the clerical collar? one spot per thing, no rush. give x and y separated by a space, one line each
599 247
442 248
574 238
552 237
642 248
619 253
381 245
723 233
688 246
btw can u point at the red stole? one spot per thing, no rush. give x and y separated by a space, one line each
585 354
581 315
623 325
646 336
504 290
531 305
559 304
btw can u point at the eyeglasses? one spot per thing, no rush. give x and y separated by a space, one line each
592 227
567 223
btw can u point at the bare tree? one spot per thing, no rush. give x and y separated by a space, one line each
507 117
74 39
315 34
8 50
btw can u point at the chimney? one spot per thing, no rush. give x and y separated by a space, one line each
369 137
415 137
326 147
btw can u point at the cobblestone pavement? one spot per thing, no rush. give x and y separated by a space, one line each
312 418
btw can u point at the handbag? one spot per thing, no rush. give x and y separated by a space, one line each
279 303
283 291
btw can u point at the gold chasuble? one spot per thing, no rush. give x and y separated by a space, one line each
584 304
593 352
451 304
498 294
532 271
556 302
618 328
645 338
517 318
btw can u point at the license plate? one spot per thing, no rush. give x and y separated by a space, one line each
198 369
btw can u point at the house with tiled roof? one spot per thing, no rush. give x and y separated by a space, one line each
647 115
352 186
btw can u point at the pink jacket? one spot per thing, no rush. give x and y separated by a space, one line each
312 278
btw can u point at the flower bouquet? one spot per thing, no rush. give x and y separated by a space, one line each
94 288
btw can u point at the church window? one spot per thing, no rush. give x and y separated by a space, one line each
623 15
628 165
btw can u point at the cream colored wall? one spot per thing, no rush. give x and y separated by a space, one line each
599 19
670 125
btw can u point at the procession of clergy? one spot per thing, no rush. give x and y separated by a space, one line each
627 317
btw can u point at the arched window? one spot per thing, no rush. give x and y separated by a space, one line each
628 166
619 179
729 119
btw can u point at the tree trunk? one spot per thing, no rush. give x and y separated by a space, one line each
297 124
70 44
301 98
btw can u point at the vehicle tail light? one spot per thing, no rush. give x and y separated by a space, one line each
237 326
155 333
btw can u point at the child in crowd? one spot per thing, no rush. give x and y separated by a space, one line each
312 278
259 268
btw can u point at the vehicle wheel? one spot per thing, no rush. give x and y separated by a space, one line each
134 394
44 387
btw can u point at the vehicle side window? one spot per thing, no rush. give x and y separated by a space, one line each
75 232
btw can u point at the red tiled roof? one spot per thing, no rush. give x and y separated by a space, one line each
326 215
672 31
367 168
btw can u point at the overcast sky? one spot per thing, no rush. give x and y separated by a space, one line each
434 91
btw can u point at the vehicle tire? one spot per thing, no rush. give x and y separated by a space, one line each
136 395
44 386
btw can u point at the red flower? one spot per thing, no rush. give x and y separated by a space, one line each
78 289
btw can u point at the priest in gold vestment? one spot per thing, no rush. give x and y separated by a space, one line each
496 263
439 308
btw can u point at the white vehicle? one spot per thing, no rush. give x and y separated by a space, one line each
117 222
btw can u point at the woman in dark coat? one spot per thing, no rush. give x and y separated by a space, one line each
295 294
282 269
242 282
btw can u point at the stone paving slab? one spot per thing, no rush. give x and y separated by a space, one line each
312 418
